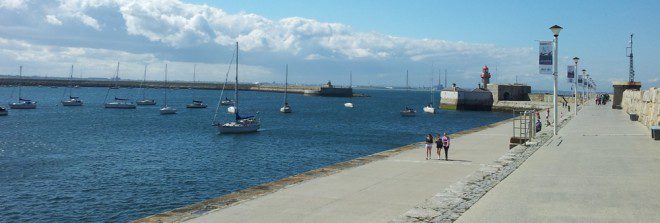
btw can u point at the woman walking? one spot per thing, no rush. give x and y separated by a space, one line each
445 144
438 145
429 145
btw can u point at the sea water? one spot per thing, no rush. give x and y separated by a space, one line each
83 164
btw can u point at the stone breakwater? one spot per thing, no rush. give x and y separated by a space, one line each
447 206
646 104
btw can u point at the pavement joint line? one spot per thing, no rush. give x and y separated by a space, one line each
441 161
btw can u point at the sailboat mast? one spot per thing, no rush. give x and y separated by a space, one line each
144 78
70 80
20 76
167 87
445 78
194 80
439 78
236 84
407 86
286 84
117 76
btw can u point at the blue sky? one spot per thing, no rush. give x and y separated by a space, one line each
324 40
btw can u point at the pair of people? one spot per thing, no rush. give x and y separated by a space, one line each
440 142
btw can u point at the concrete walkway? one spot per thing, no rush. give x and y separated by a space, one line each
374 192
602 168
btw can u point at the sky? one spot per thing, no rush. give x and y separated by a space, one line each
326 40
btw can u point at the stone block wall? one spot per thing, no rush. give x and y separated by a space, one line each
645 103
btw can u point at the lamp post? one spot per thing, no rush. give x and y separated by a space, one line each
588 88
584 97
555 31
575 97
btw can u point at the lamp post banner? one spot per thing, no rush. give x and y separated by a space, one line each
570 71
545 57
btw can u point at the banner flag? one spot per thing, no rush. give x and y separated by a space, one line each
545 57
570 71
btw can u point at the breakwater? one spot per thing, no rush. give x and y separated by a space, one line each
644 103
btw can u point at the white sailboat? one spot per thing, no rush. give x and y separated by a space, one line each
72 101
22 102
167 110
145 100
240 124
408 111
195 103
118 103
430 108
350 104
286 108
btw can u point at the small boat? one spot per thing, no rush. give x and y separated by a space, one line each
72 101
408 112
348 104
240 124
145 100
121 103
22 103
3 111
167 110
429 109
195 103
286 108
227 102
118 103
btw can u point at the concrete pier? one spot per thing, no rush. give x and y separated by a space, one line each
601 168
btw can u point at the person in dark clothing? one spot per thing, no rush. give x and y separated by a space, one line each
438 145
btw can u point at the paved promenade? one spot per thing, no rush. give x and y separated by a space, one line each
375 192
601 168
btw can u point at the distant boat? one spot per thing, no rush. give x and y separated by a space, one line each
3 111
72 101
145 100
430 108
120 103
167 110
407 111
286 108
240 124
195 103
22 102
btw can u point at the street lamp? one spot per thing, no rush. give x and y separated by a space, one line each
575 59
584 99
588 88
555 31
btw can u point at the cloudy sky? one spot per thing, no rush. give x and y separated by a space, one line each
325 40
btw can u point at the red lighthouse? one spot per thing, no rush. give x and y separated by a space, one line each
485 76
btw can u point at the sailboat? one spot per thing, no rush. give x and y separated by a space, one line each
119 103
167 110
22 102
429 108
72 101
286 108
3 111
408 111
195 103
145 100
350 104
240 124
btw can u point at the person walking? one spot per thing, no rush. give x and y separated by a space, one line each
445 145
438 145
429 145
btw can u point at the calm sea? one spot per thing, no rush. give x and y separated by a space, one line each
88 164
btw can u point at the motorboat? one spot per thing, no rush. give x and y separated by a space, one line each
120 103
196 104
3 111
146 102
408 112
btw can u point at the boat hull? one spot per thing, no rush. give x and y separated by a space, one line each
72 103
226 103
146 102
348 105
408 113
119 106
430 110
195 105
286 109
23 105
3 111
238 129
167 111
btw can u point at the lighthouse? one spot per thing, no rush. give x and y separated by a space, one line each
485 76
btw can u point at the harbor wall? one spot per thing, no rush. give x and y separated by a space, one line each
510 92
466 100
645 103
336 92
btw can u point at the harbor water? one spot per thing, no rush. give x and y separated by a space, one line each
90 164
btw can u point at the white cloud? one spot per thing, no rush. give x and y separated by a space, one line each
13 4
51 19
